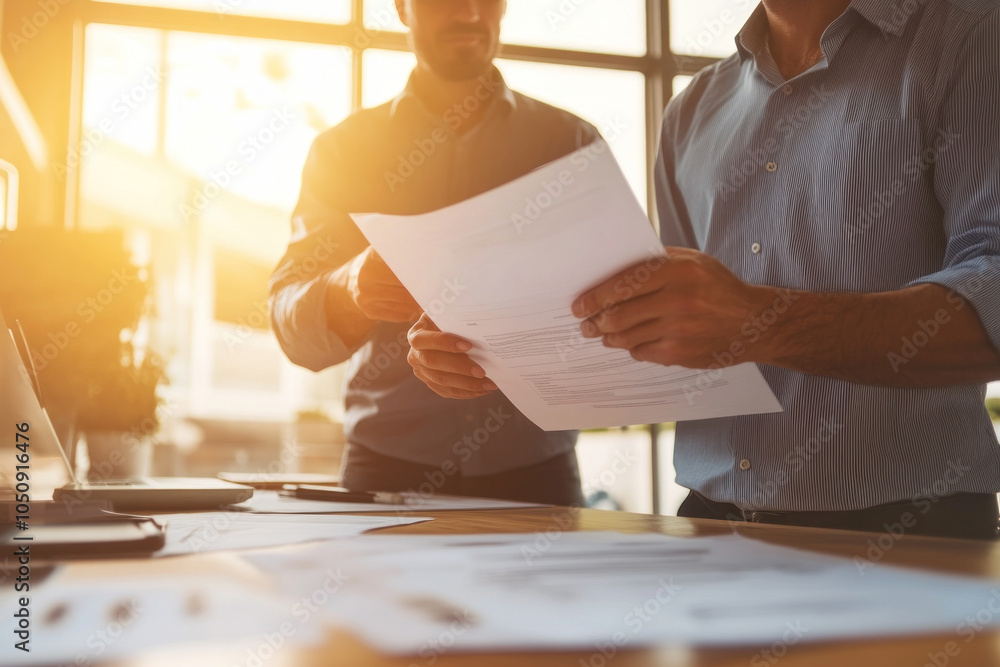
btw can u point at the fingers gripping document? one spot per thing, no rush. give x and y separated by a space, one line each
502 270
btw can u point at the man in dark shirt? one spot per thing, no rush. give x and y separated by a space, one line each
456 131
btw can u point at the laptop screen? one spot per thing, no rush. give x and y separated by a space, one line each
19 404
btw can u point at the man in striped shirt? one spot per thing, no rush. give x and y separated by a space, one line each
830 199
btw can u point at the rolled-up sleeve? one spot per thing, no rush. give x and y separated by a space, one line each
323 239
967 176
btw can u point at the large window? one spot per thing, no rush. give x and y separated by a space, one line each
195 118
329 11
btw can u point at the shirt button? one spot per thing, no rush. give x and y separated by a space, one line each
787 89
470 418
755 248
772 166
744 465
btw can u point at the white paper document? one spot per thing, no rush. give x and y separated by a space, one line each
425 595
221 531
269 502
96 621
502 270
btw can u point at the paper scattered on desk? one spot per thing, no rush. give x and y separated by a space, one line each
89 622
584 591
220 531
269 502
502 270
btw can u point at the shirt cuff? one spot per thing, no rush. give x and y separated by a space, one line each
298 315
977 281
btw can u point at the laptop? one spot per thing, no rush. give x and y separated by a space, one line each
21 403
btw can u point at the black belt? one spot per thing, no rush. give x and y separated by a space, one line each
957 515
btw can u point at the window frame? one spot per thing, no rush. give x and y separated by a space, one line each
658 66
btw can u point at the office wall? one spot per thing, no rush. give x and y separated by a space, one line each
37 46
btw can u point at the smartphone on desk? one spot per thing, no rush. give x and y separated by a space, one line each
105 538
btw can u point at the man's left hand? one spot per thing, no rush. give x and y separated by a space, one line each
686 309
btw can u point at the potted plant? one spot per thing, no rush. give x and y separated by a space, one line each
118 416
77 295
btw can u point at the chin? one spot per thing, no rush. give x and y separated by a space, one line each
461 67
463 72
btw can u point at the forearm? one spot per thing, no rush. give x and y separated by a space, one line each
923 336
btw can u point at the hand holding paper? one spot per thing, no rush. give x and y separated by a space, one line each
502 271
688 311
440 360
377 292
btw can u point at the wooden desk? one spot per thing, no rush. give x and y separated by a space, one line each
956 556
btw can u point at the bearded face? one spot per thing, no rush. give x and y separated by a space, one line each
455 39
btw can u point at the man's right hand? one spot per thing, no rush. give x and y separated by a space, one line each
377 292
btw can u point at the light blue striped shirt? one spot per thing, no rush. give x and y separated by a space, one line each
876 169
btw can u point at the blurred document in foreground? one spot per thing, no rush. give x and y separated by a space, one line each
502 270
608 592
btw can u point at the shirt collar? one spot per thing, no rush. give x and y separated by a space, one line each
491 85
889 16
752 37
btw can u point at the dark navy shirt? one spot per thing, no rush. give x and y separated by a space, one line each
401 159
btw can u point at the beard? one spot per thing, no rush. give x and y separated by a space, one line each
457 63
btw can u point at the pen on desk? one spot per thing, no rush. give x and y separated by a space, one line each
338 495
